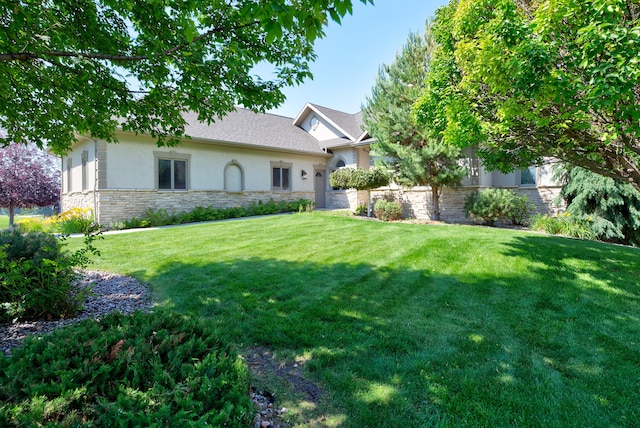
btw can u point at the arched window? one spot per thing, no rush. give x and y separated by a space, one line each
233 177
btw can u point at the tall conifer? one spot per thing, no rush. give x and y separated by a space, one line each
404 146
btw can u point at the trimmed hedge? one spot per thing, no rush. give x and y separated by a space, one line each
155 369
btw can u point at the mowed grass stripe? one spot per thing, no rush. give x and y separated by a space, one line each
413 325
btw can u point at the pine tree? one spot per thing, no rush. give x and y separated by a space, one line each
405 146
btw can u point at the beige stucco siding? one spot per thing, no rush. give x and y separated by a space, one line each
72 179
132 165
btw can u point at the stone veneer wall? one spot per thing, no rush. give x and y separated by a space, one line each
77 200
346 199
119 205
416 202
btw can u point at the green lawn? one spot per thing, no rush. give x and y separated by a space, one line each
408 325
4 221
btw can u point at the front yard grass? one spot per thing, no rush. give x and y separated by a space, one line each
411 325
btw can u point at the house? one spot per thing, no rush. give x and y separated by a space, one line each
249 157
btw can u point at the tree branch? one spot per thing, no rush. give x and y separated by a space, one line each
29 56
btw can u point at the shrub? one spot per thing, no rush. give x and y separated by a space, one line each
565 224
358 178
521 210
361 210
388 210
489 205
161 217
141 370
37 277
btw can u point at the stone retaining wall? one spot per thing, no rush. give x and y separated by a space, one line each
416 202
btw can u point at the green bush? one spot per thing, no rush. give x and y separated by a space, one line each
489 205
358 178
36 276
361 210
521 211
492 205
388 210
141 370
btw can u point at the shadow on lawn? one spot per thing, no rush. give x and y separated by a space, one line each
402 347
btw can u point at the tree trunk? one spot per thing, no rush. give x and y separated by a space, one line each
435 199
11 216
368 203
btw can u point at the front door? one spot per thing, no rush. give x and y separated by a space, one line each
320 187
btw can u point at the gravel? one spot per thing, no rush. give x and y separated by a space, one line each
109 292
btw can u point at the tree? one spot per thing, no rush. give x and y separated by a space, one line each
416 158
28 178
360 179
612 208
525 80
90 66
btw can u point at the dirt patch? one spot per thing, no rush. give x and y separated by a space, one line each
262 361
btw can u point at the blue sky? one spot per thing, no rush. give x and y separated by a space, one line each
350 54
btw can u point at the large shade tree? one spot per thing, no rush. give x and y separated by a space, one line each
529 79
28 178
89 66
405 147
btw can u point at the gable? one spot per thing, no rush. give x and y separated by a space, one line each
331 128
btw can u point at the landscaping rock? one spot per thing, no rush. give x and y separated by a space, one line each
109 292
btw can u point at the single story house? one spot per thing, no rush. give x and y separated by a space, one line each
249 157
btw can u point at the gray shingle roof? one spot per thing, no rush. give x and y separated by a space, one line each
335 143
260 130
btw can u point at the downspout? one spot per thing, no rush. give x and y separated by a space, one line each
62 178
95 181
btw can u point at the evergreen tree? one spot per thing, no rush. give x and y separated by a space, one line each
407 149
612 207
